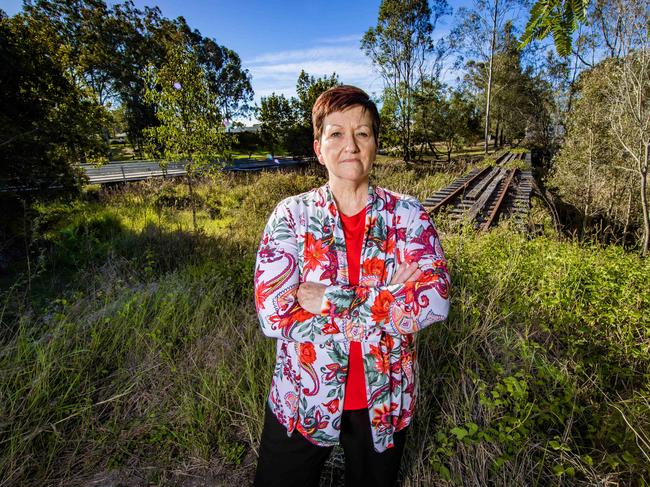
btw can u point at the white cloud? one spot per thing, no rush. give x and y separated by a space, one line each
356 38
277 72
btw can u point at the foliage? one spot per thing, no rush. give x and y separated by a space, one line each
276 118
444 115
190 127
629 119
47 123
521 102
247 142
588 170
308 88
397 47
477 34
389 134
560 18
139 352
286 123
106 49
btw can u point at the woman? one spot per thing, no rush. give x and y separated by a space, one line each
345 275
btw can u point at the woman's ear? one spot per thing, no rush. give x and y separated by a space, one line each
317 151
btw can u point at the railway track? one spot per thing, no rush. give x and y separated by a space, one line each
484 196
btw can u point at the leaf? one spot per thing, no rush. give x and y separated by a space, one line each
445 474
459 432
472 428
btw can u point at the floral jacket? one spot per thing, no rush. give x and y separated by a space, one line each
304 241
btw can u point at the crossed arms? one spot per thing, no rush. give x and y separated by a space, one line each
416 296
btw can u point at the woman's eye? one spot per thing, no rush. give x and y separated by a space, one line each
362 134
335 134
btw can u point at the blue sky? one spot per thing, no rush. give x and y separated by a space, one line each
276 39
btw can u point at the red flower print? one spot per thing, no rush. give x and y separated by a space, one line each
315 252
381 359
311 424
381 306
374 267
383 417
388 245
287 320
409 292
361 293
330 328
332 406
307 353
335 371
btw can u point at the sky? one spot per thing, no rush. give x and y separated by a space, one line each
276 39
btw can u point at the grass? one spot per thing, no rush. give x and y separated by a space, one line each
136 358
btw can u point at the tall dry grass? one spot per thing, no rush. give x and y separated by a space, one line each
137 358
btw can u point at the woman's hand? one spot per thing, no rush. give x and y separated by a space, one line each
406 272
310 296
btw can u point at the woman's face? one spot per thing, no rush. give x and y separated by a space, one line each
347 145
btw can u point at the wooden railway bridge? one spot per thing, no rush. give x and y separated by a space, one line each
483 196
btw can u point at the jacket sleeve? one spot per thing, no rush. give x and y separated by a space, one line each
276 282
398 308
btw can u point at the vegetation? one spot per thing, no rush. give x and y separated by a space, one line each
136 354
190 128
286 123
130 351
602 167
398 46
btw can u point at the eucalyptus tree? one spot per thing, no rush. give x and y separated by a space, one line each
276 117
190 126
477 36
308 89
46 123
629 119
398 47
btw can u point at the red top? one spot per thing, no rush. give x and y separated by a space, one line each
355 387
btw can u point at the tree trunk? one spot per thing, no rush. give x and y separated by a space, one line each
489 86
627 216
644 204
585 217
190 185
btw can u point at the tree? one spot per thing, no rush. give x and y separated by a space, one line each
443 115
459 121
247 142
478 35
191 128
427 114
308 88
226 77
389 135
106 50
629 117
46 122
398 46
276 118
586 173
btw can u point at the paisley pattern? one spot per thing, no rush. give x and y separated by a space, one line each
304 241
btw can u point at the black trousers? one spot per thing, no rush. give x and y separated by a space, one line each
293 461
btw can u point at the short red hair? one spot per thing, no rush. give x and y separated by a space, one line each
338 99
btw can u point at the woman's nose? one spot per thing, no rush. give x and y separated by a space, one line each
351 144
